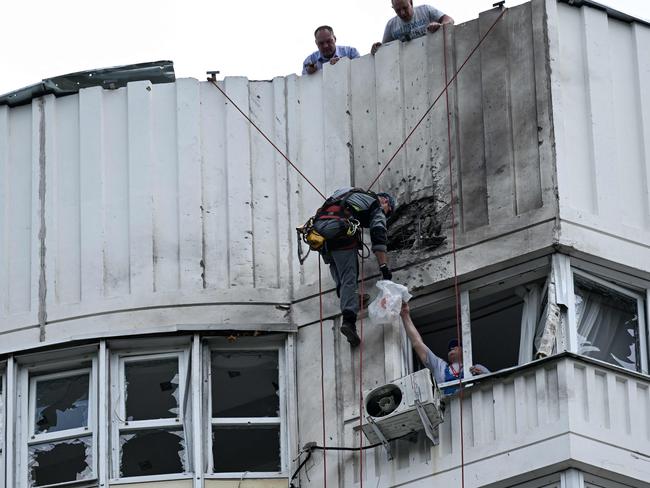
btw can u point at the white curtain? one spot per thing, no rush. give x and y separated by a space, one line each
531 295
607 327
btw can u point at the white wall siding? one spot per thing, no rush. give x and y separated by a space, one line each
601 112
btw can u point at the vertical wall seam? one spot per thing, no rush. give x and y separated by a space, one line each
589 102
643 123
42 231
4 210
251 182
513 163
456 132
226 226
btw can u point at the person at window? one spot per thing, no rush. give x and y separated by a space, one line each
443 371
328 51
340 221
411 22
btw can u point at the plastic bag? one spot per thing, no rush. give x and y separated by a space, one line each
386 307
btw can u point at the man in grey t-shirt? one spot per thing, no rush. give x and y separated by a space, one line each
412 22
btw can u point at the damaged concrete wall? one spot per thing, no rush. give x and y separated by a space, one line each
157 207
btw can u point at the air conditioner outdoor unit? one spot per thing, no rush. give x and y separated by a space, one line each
409 404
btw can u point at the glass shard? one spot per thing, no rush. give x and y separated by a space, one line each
608 325
151 452
151 389
61 403
246 448
60 462
245 384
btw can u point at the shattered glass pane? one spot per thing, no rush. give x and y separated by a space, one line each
153 451
62 403
245 384
608 325
246 448
61 461
151 389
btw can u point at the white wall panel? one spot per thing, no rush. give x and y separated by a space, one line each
601 121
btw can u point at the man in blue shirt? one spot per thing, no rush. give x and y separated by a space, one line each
328 51
412 22
442 371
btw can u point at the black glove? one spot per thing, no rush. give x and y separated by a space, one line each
385 272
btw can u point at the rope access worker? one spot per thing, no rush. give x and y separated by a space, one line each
443 371
339 221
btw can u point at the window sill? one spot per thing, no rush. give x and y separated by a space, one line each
248 475
148 479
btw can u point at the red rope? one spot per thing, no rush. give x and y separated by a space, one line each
453 247
269 140
444 90
322 371
361 376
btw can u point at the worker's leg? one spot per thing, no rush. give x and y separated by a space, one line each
345 271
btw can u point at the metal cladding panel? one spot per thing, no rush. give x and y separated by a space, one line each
601 76
162 195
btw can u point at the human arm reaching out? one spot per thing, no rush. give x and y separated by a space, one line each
418 344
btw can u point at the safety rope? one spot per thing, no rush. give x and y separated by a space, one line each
265 137
442 92
453 251
361 366
322 369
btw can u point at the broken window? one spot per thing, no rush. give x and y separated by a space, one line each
505 324
152 451
505 318
59 462
150 433
60 445
610 322
245 411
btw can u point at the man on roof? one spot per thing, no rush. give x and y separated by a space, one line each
411 22
328 51
443 371
340 221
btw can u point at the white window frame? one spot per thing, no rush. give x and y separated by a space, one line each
506 279
249 345
120 425
29 376
622 290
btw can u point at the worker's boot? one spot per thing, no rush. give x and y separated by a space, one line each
349 329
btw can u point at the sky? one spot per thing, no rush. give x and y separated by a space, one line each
258 39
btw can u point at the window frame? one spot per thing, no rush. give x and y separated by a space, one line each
119 424
246 344
29 375
505 279
621 289
563 268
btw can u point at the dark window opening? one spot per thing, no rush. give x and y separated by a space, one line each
151 389
437 326
245 384
59 462
496 329
152 452
246 448
62 403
